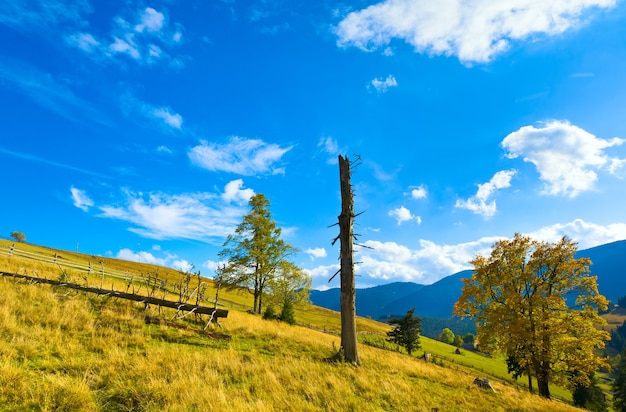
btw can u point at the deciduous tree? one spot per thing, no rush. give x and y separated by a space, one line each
518 296
255 253
18 236
446 336
406 332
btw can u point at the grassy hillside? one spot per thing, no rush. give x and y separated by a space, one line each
67 350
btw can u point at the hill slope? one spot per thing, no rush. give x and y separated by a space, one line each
65 350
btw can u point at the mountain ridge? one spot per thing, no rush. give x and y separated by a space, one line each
437 299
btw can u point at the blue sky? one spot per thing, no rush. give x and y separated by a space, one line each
139 129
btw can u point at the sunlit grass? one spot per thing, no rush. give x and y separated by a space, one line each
66 350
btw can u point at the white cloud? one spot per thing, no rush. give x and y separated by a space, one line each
330 146
141 256
316 253
429 262
84 41
146 41
198 216
80 198
151 20
174 120
566 156
472 30
241 156
163 114
182 265
479 203
585 233
402 214
234 193
382 85
419 193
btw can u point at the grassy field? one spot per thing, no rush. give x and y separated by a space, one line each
67 350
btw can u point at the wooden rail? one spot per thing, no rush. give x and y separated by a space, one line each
204 310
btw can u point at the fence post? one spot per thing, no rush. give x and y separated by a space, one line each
11 250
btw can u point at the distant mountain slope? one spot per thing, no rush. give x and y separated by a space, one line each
437 300
368 300
434 301
609 264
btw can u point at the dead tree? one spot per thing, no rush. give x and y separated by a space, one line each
349 348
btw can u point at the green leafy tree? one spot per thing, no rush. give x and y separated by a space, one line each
447 336
290 283
406 332
287 314
18 237
270 313
458 341
469 338
255 252
518 298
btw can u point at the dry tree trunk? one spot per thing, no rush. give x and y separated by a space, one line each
348 292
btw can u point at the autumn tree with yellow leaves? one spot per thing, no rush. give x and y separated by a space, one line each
519 299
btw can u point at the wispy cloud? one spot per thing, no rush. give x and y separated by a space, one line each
473 30
566 156
382 85
479 203
163 115
144 35
38 14
329 146
49 92
33 158
205 217
402 214
80 198
240 156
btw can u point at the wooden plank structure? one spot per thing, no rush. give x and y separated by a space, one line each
148 300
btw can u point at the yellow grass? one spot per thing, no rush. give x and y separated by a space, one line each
69 351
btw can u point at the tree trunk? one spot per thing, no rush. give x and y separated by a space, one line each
348 293
543 388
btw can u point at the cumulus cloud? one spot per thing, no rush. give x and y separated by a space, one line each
383 262
150 20
80 198
233 192
585 233
566 156
169 260
197 216
419 192
141 256
479 203
316 253
240 156
382 85
472 30
402 214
